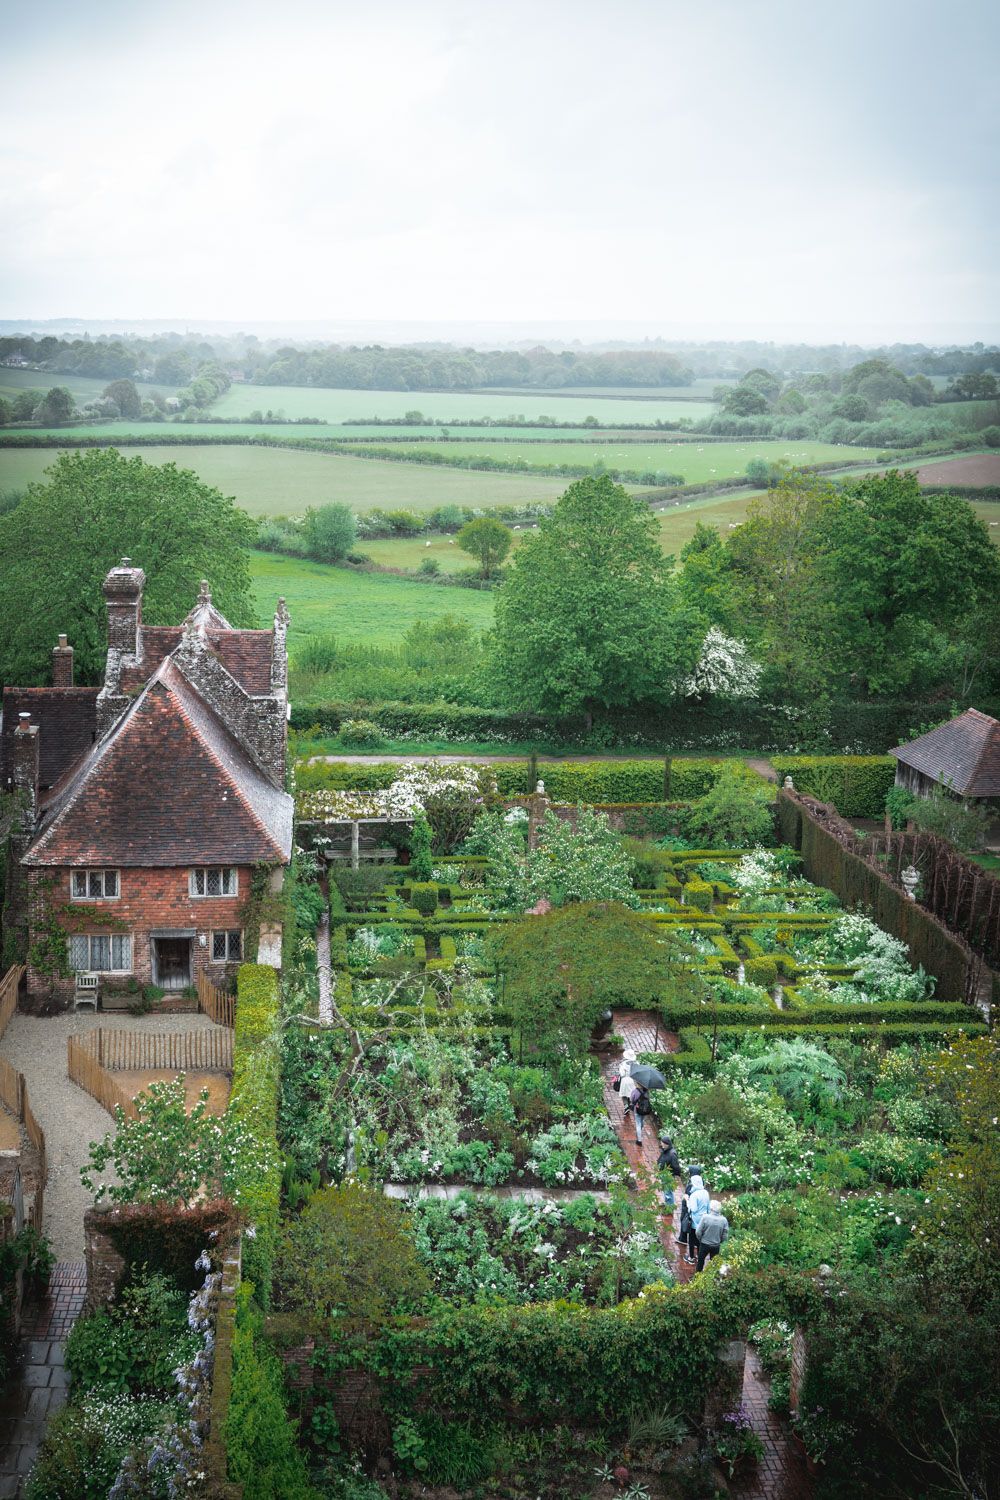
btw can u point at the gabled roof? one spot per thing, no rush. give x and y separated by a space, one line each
168 786
245 654
68 720
963 755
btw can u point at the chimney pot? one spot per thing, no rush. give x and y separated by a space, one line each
62 664
126 562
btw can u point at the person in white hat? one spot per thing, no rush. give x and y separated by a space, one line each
624 1087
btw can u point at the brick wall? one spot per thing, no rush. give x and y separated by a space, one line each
149 900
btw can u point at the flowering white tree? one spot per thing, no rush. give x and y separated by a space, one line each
724 669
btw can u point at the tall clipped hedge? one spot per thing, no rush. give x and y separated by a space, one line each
857 785
828 862
253 1102
777 728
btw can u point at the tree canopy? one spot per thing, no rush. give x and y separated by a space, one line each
94 508
563 969
488 541
588 617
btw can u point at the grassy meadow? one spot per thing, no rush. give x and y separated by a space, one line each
368 607
444 406
280 481
698 462
81 387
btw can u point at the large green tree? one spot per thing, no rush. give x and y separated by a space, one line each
563 969
93 509
488 541
587 618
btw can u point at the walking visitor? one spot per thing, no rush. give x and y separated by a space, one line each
697 1200
668 1159
712 1233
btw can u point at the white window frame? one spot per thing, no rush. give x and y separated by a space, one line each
87 876
226 873
226 933
90 938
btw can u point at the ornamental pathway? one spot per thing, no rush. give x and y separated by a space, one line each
36 1387
781 1473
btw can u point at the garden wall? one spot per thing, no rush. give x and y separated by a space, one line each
828 844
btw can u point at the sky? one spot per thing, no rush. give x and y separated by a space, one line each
755 168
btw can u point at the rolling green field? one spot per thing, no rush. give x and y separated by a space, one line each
279 481
371 607
339 406
697 462
82 387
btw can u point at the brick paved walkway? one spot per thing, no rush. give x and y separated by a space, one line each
781 1473
37 1384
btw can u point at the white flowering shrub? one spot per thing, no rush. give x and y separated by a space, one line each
724 669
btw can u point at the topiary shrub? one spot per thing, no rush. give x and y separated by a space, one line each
698 893
424 896
762 971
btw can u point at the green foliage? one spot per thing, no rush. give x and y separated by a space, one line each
329 532
86 1442
898 802
441 1452
488 541
698 894
762 971
424 896
95 507
558 978
964 824
586 619
259 1437
166 1154
349 1254
136 1344
578 860
255 1173
799 1069
361 733
857 785
737 812
421 862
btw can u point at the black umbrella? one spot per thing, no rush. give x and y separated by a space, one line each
647 1078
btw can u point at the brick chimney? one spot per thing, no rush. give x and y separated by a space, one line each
279 651
62 664
26 770
123 592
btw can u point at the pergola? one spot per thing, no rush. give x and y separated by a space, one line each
355 825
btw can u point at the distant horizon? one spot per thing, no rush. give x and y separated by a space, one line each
501 332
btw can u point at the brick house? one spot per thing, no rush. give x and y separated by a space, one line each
148 804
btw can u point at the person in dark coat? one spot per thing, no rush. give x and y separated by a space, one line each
668 1160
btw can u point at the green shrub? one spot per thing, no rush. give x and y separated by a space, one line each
762 971
698 893
253 1103
259 1438
736 812
424 896
857 785
362 732
421 861
136 1344
86 1442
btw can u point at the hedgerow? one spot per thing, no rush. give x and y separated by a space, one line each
857 785
254 1104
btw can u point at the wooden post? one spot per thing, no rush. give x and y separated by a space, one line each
355 845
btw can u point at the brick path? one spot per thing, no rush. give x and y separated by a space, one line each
781 1473
37 1385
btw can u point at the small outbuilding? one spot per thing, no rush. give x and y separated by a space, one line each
962 758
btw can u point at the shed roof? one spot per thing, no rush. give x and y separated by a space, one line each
963 755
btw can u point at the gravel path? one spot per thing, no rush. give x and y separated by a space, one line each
70 1118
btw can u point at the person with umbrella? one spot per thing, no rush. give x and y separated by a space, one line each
642 1079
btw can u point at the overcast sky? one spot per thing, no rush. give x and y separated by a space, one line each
739 166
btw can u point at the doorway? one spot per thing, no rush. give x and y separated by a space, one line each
172 963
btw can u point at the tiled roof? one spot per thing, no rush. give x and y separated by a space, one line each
67 720
168 786
245 654
963 755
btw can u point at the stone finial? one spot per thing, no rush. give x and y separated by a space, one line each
788 784
281 613
204 592
539 788
910 878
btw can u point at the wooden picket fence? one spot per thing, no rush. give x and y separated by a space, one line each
84 1069
14 1093
216 1004
92 1060
8 995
